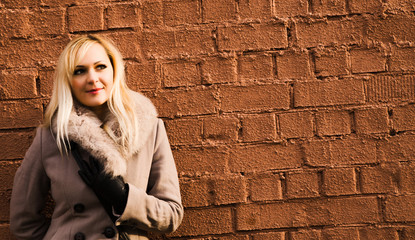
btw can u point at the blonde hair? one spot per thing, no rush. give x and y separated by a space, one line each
119 102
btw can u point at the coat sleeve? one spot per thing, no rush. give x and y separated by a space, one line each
160 208
30 188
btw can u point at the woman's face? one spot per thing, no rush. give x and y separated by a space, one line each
92 79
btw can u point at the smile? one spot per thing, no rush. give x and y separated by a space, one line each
94 91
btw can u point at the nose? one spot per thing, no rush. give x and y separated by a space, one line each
92 76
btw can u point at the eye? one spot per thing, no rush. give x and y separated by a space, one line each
101 66
78 71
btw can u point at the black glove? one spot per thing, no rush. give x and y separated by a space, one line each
109 189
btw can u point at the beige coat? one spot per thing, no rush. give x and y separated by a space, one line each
153 204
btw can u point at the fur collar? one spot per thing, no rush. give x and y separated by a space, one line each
92 135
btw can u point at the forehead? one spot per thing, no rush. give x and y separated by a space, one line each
91 53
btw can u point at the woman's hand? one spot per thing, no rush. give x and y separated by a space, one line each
109 189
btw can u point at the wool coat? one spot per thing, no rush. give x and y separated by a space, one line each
153 204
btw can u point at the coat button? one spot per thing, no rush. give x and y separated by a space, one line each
79 236
109 232
79 207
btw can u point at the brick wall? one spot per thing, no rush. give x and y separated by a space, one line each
288 119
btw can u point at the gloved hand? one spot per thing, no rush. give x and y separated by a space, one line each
109 189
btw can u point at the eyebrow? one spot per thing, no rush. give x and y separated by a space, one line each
94 63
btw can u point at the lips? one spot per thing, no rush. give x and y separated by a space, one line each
94 91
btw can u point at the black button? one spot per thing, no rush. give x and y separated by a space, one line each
79 207
79 236
109 232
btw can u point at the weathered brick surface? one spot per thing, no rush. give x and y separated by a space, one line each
327 93
296 124
252 37
302 184
287 119
333 123
339 181
371 120
259 127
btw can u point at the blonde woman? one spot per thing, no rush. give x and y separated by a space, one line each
102 153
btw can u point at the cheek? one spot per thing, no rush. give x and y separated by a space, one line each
76 85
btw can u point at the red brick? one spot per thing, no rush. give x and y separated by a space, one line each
390 88
222 129
46 82
291 8
128 43
254 9
396 149
78 15
48 21
270 235
401 5
365 6
307 213
178 42
22 114
182 12
153 13
186 102
255 67
333 123
402 59
207 160
367 60
408 233
340 152
302 184
379 233
22 53
184 131
7 171
252 37
20 4
265 187
5 232
395 28
264 157
329 7
407 178
306 235
339 181
195 192
18 84
15 23
257 97
330 32
218 10
5 196
293 65
123 15
296 124
404 118
178 74
219 70
371 120
340 234
331 63
379 179
15 145
143 76
399 208
334 92
259 128
228 190
205 221
233 237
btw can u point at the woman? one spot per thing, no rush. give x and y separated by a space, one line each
102 153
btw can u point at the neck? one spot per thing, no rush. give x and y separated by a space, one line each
101 111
